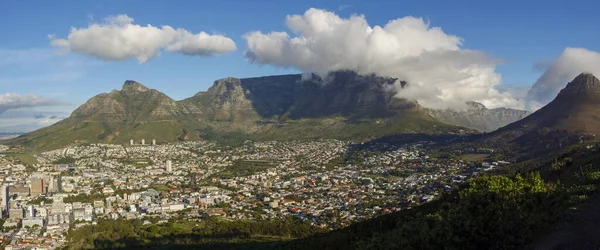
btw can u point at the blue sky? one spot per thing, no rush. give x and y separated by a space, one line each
520 33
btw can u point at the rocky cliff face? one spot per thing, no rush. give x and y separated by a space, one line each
478 117
133 103
343 93
344 105
584 85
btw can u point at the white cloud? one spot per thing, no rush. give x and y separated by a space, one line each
118 39
14 101
201 44
572 62
439 72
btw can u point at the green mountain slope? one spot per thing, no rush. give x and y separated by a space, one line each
135 112
344 106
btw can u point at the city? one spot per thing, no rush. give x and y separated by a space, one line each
77 185
327 125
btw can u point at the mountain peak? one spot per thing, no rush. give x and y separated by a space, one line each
476 105
225 85
575 110
134 86
584 83
586 78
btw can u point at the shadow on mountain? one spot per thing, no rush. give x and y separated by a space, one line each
392 142
342 93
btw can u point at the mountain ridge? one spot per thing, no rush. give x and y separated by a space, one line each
344 105
477 116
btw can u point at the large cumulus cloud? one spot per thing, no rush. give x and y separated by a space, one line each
118 39
440 73
572 62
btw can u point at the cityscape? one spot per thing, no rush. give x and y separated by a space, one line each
299 125
75 186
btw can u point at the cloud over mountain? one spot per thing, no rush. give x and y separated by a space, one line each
118 39
14 101
569 64
440 73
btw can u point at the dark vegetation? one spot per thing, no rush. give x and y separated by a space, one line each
213 233
502 211
39 200
231 139
65 160
84 198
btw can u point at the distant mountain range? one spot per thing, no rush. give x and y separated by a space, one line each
346 106
478 117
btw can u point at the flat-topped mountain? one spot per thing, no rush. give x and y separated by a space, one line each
344 105
290 97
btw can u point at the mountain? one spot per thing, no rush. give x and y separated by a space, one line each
134 112
478 117
572 115
344 105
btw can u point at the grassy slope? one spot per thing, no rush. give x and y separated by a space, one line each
340 128
74 130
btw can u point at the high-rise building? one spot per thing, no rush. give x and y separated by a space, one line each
51 186
131 142
169 166
153 142
194 184
4 197
143 142
30 212
59 184
38 187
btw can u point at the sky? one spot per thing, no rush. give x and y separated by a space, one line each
53 57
